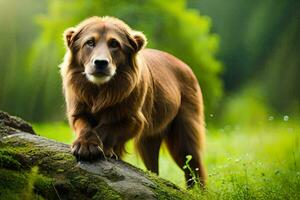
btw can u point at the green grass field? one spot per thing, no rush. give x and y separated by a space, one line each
259 162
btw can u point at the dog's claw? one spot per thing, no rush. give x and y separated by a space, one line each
102 152
87 150
111 154
115 155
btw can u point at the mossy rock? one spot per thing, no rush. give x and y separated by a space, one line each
33 167
11 124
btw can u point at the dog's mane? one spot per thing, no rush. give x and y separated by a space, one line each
102 96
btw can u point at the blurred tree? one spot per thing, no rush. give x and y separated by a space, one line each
260 41
230 22
168 25
17 34
282 69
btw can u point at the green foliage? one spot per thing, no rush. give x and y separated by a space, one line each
245 108
192 173
17 34
283 70
259 41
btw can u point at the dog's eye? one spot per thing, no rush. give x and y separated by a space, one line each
114 44
90 43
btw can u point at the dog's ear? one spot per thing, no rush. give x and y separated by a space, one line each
140 39
68 36
137 40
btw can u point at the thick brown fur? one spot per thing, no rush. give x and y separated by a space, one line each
152 97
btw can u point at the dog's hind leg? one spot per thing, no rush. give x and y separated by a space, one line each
148 148
186 137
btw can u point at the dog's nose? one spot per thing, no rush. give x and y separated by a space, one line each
101 64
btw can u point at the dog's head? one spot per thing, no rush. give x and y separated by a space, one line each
102 47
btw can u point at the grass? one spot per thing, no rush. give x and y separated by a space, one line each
58 131
257 162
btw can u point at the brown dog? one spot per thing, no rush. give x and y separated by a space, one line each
116 90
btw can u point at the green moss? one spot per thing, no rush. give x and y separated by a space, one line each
8 161
12 180
18 155
14 157
25 185
168 190
105 192
29 189
65 179
58 163
17 147
63 156
32 185
44 187
12 184
98 189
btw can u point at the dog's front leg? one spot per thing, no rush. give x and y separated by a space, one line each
88 145
114 136
108 135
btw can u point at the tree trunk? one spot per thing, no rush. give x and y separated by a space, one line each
33 167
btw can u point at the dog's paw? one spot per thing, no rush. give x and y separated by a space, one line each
109 153
88 146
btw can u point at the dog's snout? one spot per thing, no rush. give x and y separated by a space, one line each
101 64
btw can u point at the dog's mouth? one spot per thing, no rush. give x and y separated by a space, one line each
99 78
100 74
